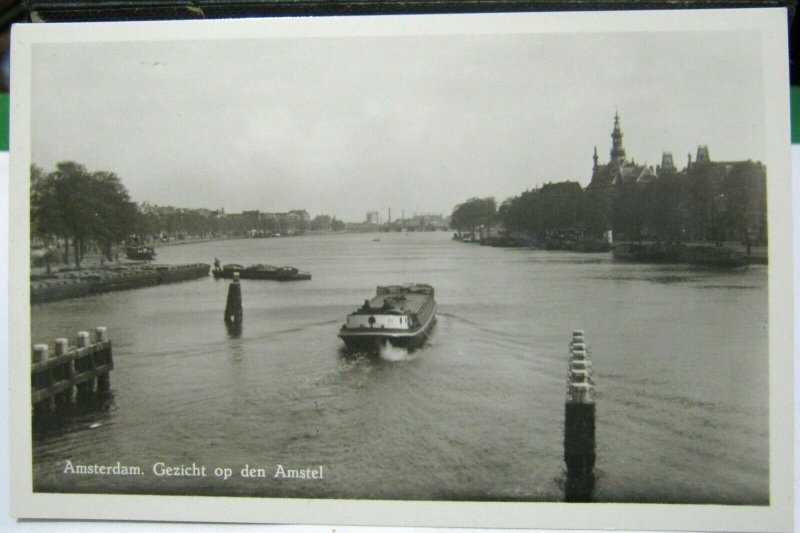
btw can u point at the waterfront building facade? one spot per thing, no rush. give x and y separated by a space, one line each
618 171
705 201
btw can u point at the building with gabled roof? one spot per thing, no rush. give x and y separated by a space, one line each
717 199
618 170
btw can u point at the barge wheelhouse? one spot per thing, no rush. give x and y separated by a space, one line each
401 315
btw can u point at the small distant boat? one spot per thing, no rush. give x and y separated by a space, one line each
140 253
401 315
264 272
376 239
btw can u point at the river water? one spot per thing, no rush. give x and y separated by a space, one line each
680 363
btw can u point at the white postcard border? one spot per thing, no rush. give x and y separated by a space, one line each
775 517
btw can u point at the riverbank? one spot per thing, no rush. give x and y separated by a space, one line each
694 253
162 244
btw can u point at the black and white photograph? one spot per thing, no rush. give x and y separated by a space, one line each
539 262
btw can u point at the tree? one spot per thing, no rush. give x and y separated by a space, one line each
83 207
46 220
114 214
629 211
473 213
321 223
488 211
561 204
523 213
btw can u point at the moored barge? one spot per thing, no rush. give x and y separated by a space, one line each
401 315
268 272
140 253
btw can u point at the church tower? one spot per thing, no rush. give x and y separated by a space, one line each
702 154
617 151
666 161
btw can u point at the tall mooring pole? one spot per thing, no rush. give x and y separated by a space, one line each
579 425
233 307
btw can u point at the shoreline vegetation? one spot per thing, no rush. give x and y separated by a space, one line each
627 204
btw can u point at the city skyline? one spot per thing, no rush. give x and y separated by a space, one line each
370 217
342 126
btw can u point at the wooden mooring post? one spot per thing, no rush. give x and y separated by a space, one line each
233 306
53 377
579 424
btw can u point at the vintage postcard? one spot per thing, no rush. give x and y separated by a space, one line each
502 270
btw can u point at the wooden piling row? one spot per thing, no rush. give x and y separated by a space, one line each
579 425
84 368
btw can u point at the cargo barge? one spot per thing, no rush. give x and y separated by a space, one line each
71 283
401 315
268 272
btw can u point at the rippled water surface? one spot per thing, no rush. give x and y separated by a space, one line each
680 363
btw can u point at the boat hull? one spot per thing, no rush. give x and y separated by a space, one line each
140 253
373 339
291 277
272 275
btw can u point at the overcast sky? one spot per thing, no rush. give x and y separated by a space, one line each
343 126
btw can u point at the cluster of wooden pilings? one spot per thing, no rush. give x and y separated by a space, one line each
70 373
579 425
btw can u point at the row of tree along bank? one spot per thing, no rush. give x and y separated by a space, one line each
75 213
75 208
478 220
704 203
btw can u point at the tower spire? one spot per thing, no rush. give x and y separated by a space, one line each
617 151
594 157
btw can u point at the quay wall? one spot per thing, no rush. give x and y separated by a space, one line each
76 284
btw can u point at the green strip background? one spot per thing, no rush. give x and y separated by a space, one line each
795 104
4 122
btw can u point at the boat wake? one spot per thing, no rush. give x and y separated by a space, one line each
298 329
394 353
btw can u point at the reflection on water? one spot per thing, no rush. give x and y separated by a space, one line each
477 413
89 413
579 488
236 348
234 329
